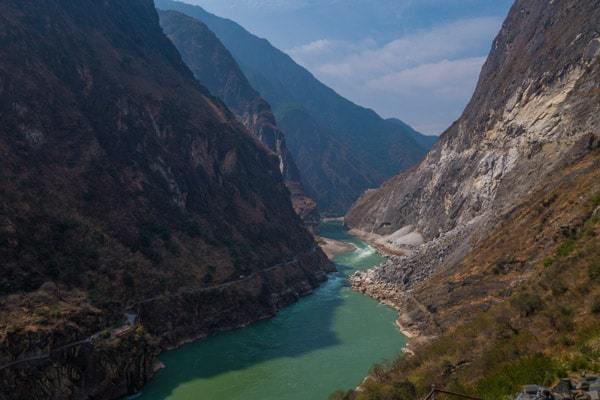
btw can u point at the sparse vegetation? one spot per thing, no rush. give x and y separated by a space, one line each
594 271
566 248
596 200
508 378
596 305
549 328
128 280
528 304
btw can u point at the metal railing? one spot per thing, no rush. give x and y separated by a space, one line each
434 391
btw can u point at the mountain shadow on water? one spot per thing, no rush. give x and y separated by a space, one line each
315 324
288 335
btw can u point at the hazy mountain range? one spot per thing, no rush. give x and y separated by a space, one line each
341 149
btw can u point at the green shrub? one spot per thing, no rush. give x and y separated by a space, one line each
140 330
173 247
579 363
558 287
594 271
144 239
193 229
338 395
65 225
128 280
562 320
596 200
508 378
550 200
164 235
528 304
596 305
208 278
378 371
566 248
404 391
548 262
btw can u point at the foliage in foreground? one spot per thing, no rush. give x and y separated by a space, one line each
549 328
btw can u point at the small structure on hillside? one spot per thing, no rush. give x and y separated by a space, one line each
586 388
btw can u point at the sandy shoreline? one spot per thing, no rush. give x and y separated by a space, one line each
333 247
377 243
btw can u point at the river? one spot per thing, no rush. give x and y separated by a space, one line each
326 341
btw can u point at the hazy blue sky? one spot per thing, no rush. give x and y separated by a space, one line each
417 60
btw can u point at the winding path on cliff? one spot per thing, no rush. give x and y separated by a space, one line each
129 324
46 355
326 341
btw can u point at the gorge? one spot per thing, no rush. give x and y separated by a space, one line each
327 341
129 195
223 77
340 148
166 179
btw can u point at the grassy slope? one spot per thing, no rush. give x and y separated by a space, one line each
544 327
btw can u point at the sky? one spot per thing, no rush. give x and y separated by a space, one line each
417 60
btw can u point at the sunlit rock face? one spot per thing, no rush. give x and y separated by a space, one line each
533 125
532 112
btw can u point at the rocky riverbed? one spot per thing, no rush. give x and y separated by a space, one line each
393 281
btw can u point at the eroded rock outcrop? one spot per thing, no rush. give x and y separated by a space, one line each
534 113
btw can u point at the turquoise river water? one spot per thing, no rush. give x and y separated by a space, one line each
326 341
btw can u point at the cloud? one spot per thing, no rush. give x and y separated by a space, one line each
434 69
448 41
261 5
452 79
313 48
320 51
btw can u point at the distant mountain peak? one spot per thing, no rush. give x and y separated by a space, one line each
214 67
341 149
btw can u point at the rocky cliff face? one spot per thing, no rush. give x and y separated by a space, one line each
341 149
217 70
500 224
534 113
135 211
521 307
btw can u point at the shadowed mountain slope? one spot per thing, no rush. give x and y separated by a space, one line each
216 69
341 149
135 211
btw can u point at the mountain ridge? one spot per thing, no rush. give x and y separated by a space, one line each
498 290
223 77
340 148
136 212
